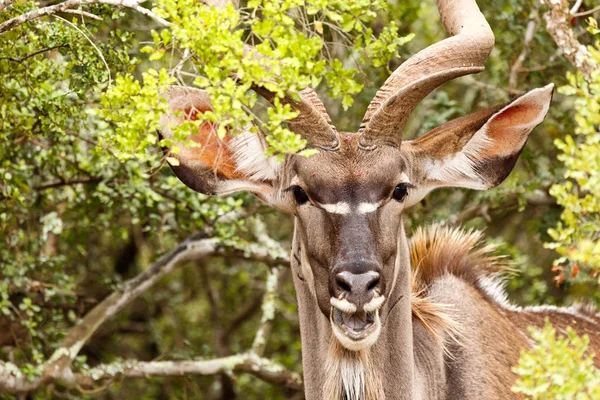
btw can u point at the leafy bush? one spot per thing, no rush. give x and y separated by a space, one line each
558 367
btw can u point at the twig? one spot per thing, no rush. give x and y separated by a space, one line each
243 315
575 7
529 34
69 4
84 14
70 182
35 53
92 44
484 210
584 13
58 368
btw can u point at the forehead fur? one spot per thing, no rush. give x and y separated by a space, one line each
350 169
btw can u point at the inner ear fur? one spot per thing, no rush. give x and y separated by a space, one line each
479 150
216 165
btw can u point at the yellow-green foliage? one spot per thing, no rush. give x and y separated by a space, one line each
558 367
577 236
286 57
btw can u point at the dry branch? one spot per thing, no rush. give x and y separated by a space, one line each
268 312
262 368
558 25
12 380
71 4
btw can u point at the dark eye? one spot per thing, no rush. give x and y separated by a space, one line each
400 192
300 195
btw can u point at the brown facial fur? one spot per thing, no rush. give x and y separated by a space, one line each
332 239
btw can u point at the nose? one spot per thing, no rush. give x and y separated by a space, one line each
358 289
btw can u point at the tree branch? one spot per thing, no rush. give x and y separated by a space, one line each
558 25
584 13
268 312
12 380
260 367
70 4
192 249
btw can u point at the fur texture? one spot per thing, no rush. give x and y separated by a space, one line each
351 375
439 250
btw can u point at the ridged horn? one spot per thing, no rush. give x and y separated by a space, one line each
313 123
463 53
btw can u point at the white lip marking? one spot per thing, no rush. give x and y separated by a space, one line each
364 208
343 305
337 208
374 304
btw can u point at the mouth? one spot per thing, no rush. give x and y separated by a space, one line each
356 325
355 331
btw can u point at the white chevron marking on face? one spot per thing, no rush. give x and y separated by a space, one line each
337 208
344 208
364 208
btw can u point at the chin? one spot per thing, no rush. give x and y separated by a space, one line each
355 331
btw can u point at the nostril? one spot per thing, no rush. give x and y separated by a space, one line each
373 284
342 284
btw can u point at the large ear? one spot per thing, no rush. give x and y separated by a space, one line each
214 165
479 150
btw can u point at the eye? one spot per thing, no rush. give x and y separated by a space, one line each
300 195
400 192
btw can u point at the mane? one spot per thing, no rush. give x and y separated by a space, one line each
438 250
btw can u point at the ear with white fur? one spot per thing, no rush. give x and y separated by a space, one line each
214 165
479 150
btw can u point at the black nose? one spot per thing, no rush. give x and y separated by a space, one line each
358 289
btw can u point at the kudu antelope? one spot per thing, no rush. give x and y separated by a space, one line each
372 327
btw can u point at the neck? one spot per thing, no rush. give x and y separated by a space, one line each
386 370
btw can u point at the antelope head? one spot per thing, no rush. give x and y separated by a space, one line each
348 199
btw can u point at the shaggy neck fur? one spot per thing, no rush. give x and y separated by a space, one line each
356 373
